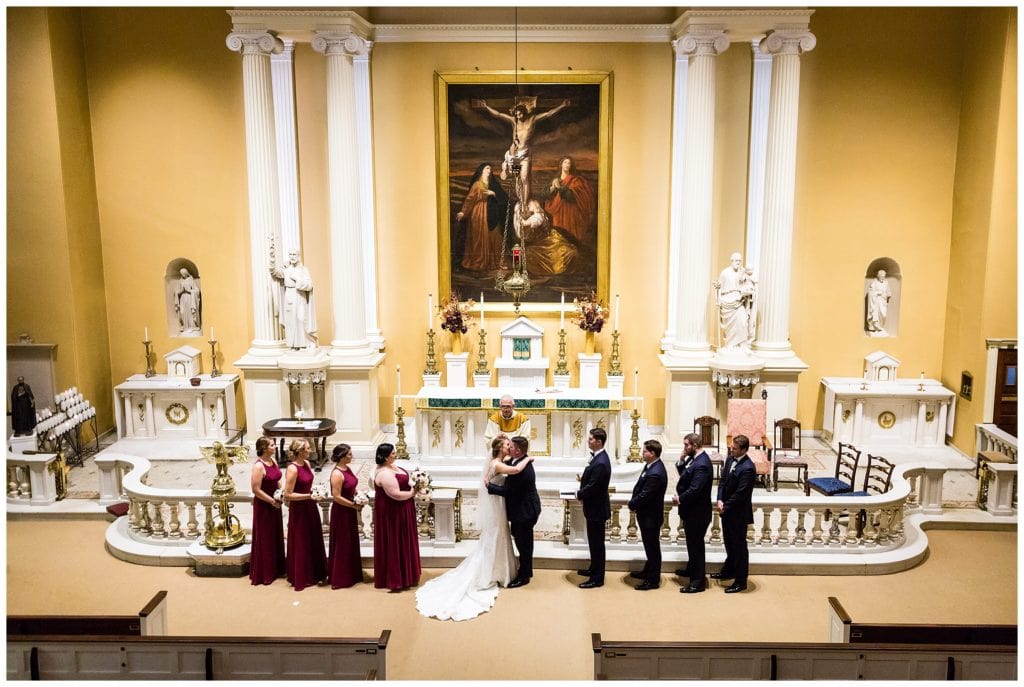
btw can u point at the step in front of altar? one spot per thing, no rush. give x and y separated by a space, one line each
553 474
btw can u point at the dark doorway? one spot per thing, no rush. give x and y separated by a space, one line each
1005 414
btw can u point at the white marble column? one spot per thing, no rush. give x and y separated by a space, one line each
675 263
261 157
759 99
364 134
694 286
345 208
780 179
283 77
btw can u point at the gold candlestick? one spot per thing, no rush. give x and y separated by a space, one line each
150 372
481 359
431 359
215 372
614 369
401 448
634 438
563 368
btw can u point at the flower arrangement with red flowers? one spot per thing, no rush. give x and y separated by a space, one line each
454 314
590 313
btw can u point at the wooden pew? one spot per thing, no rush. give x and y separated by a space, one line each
150 621
842 628
72 657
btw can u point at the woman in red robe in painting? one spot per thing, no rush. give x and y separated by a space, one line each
571 202
482 212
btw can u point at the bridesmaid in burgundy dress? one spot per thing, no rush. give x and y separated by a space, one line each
305 563
266 563
344 567
396 547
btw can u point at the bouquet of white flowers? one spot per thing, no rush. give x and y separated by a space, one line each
279 495
320 492
421 481
361 498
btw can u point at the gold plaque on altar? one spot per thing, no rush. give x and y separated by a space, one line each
886 419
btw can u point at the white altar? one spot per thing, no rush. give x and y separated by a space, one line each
894 414
450 424
169 407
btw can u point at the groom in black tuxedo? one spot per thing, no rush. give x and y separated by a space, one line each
522 506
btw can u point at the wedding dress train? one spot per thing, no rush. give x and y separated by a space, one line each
471 588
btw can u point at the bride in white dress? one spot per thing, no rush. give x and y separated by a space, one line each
470 589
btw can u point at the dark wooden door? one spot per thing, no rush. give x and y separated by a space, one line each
1005 413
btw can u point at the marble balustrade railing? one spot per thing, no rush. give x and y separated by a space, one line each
30 478
788 522
991 438
158 514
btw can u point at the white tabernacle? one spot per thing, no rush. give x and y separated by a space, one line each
170 407
898 414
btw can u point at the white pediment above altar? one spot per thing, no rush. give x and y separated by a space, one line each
881 367
521 363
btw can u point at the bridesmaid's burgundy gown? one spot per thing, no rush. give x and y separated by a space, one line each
396 546
306 562
343 563
266 562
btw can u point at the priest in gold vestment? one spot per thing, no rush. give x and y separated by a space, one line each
507 421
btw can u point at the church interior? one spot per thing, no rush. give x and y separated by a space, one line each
812 210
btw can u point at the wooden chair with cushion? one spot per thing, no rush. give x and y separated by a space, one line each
750 417
786 453
708 428
877 480
845 475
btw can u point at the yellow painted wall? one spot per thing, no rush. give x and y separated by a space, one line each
877 170
55 276
981 301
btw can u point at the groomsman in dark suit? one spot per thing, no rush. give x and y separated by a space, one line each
597 509
649 504
522 507
735 491
693 496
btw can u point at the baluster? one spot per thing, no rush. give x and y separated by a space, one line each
816 529
12 481
631 529
912 497
325 519
851 527
208 517
666 531
833 530
133 514
801 531
373 523
870 533
175 523
885 519
158 520
361 522
766 526
565 522
145 523
616 526
716 527
783 526
24 485
192 527
680 532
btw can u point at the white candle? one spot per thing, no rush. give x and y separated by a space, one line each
636 385
561 319
430 311
481 310
146 337
213 337
616 312
922 376
398 384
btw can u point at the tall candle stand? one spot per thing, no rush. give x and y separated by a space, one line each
215 372
563 367
431 358
150 372
634 438
401 448
615 368
481 359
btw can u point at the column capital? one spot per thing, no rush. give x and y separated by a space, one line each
711 42
330 43
254 42
788 42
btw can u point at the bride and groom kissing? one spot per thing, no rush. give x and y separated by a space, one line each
508 509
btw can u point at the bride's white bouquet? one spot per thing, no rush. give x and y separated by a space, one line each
319 492
421 482
361 498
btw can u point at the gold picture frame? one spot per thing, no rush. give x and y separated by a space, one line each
570 117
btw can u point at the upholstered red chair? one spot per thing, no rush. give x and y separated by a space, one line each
750 417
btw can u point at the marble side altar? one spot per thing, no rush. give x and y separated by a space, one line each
450 423
169 407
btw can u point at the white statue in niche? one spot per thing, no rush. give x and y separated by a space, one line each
188 304
879 296
736 290
293 301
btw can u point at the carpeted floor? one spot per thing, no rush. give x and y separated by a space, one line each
538 632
